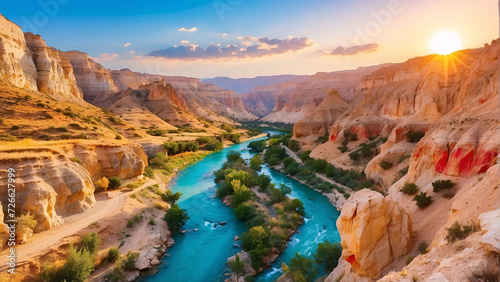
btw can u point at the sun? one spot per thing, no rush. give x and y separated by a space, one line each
446 42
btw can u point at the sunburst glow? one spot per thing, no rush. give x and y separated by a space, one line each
446 42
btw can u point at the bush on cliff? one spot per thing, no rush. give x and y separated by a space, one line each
385 165
415 136
423 200
458 232
293 145
91 242
440 185
409 189
102 184
170 197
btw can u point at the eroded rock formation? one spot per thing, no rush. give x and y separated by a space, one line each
374 231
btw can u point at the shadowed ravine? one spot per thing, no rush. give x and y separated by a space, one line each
202 255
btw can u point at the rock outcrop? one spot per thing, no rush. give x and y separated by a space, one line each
374 231
93 79
16 63
490 226
4 229
55 73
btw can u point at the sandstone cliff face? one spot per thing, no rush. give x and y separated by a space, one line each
205 100
159 90
55 73
93 79
51 186
306 96
374 231
16 63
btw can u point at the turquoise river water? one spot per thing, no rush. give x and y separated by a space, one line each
202 255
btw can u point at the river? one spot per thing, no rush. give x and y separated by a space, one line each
202 255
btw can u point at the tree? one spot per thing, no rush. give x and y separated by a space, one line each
278 194
263 181
171 197
216 146
171 147
257 146
255 162
303 266
233 156
176 217
241 193
115 182
328 254
293 145
288 161
319 165
244 212
237 267
440 185
192 147
297 206
305 155
409 189
256 241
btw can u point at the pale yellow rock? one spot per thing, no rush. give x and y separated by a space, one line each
490 227
374 231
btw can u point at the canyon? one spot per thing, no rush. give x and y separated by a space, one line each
67 122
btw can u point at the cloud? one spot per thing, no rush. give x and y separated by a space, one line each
263 47
107 57
184 42
188 30
127 44
353 50
222 34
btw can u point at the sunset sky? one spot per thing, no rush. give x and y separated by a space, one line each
243 38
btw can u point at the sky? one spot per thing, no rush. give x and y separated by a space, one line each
248 38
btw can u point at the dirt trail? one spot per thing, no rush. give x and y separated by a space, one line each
41 242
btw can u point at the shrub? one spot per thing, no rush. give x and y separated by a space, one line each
327 255
303 267
130 261
354 156
244 212
237 267
257 146
113 255
256 241
353 137
293 145
423 200
78 266
322 139
485 273
15 127
171 147
8 137
458 232
1 120
305 155
263 181
217 146
192 147
440 185
293 169
385 165
203 140
273 161
102 184
414 136
115 183
91 242
25 223
149 172
343 149
319 165
409 189
176 218
422 247
151 221
118 137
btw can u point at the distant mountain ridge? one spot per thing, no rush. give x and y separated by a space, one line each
244 85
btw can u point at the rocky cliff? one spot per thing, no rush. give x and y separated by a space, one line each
245 85
439 119
205 100
307 96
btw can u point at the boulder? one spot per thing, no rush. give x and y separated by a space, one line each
374 231
132 276
155 262
142 262
490 227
